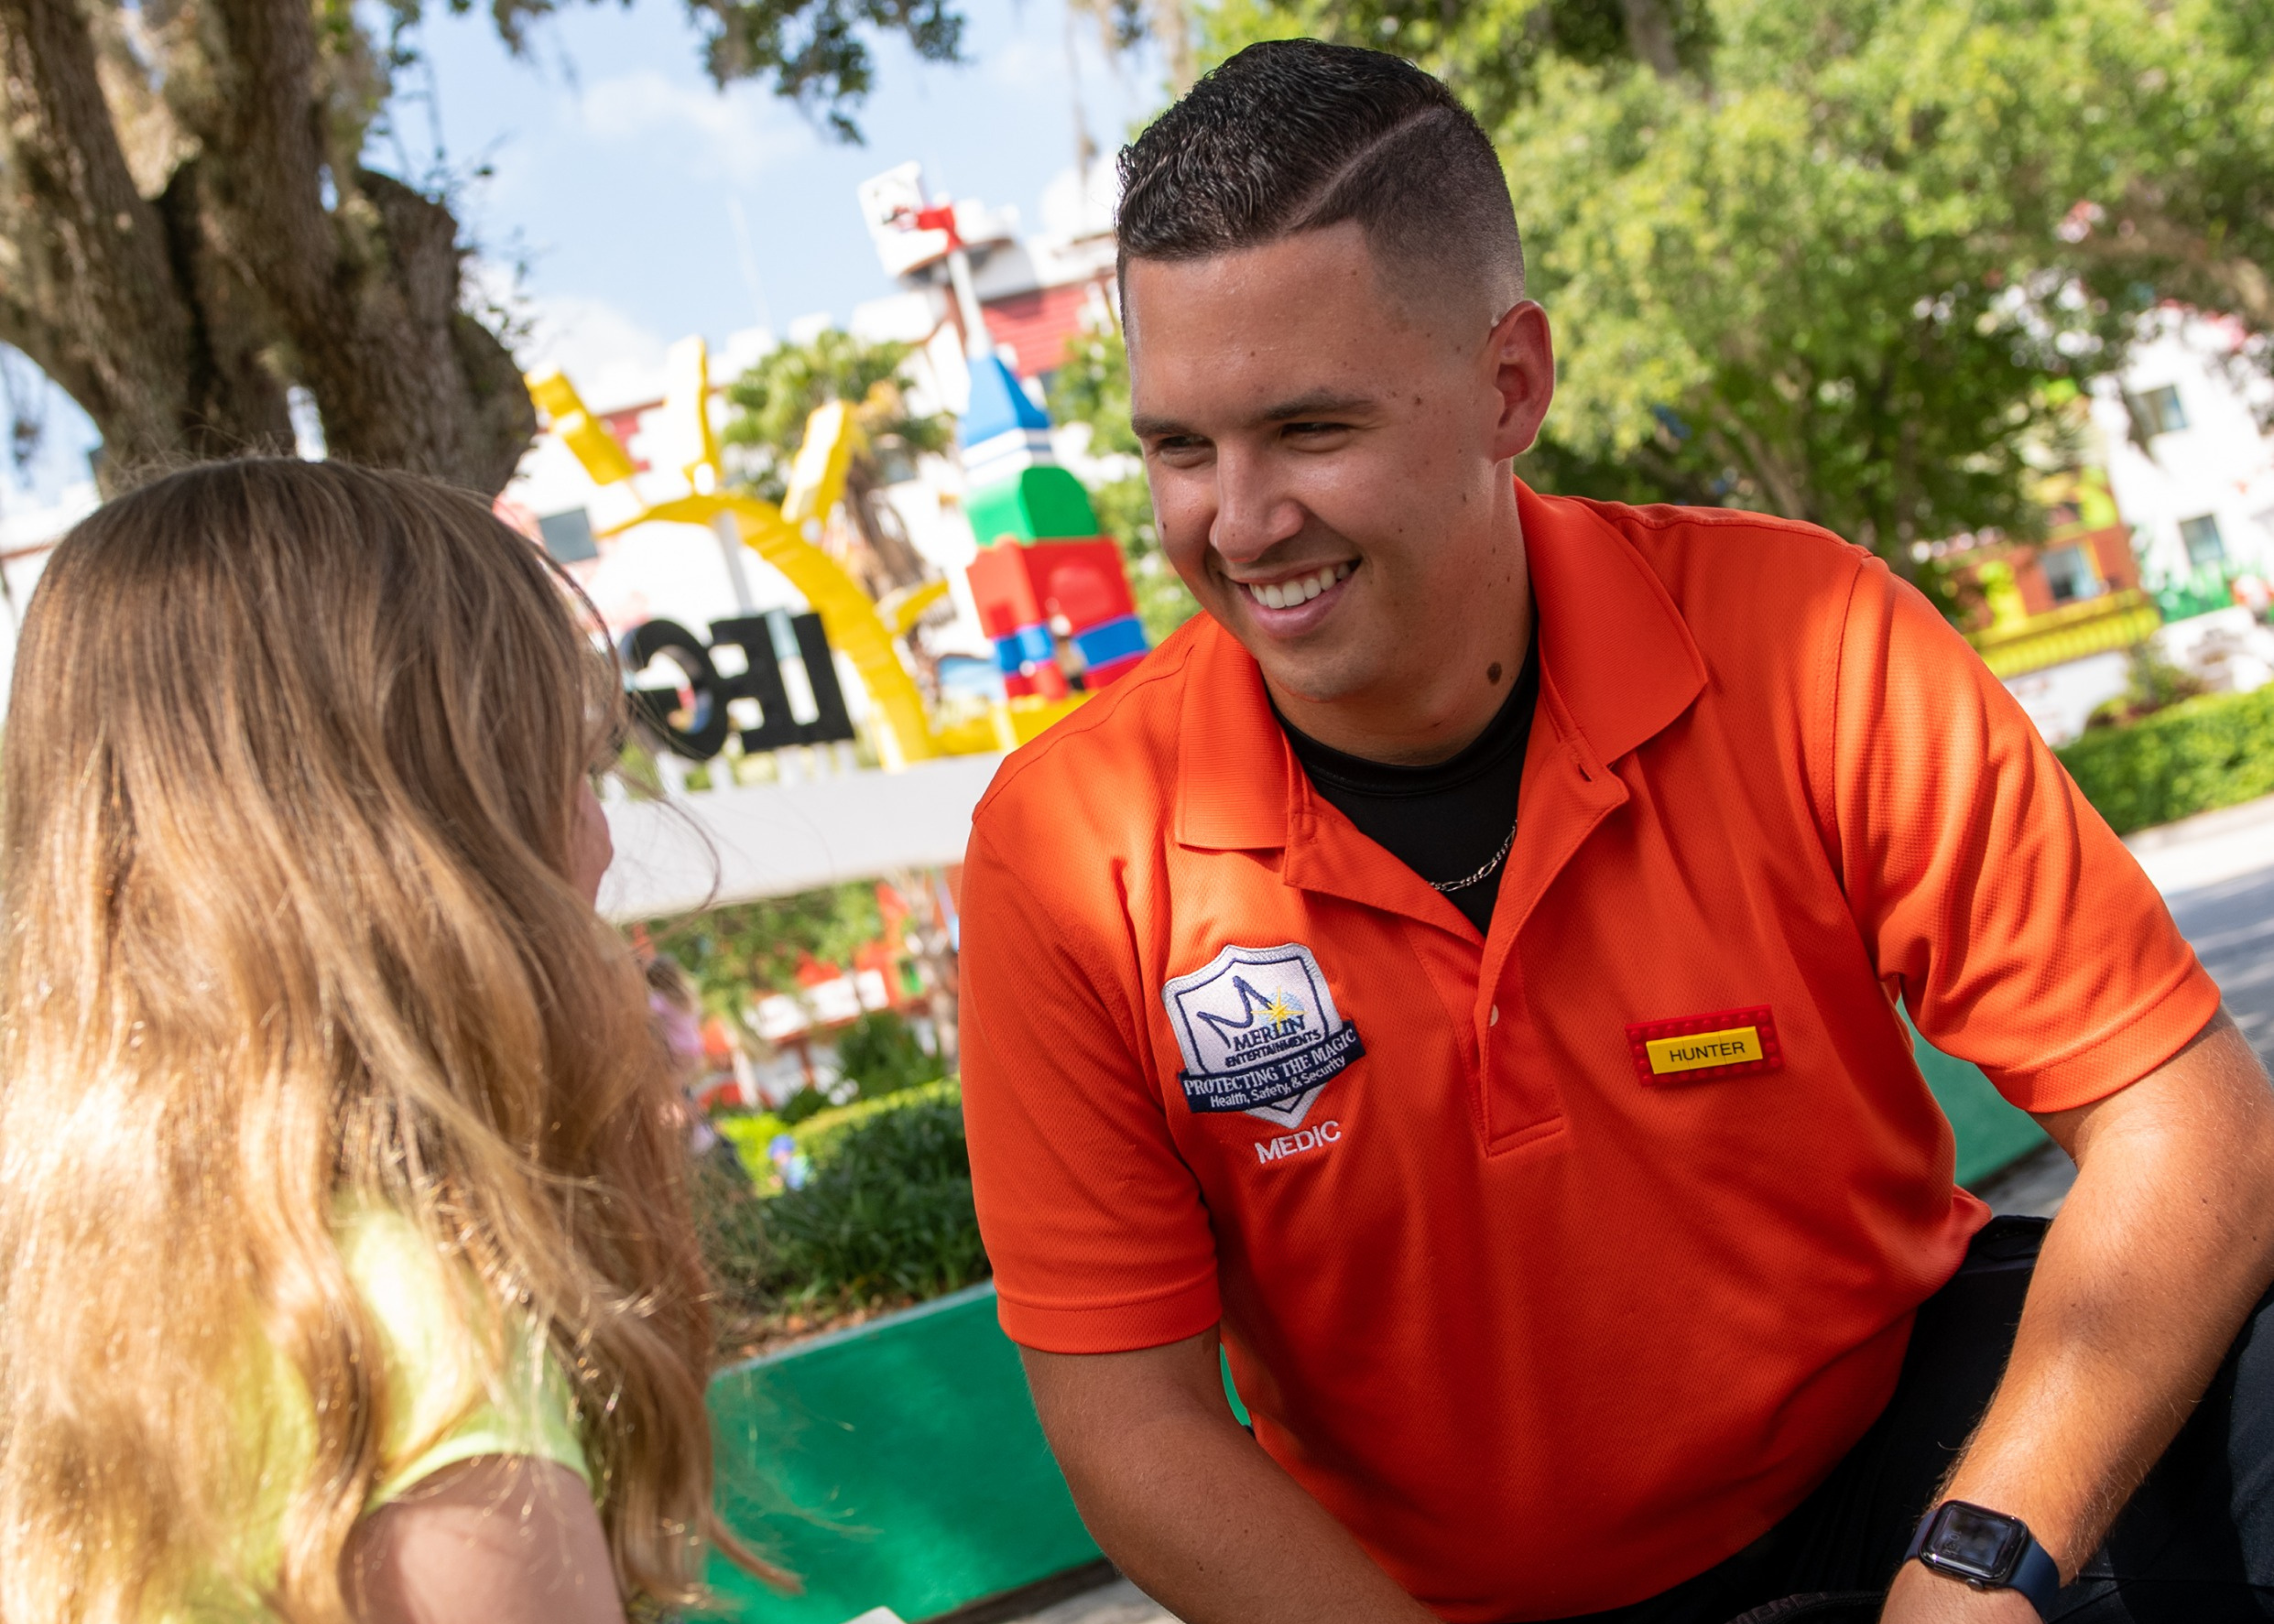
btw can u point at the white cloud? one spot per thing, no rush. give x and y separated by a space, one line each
1070 209
805 329
738 132
1026 63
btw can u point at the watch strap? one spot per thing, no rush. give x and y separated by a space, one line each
2037 1576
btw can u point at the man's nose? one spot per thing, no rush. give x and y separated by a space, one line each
1254 512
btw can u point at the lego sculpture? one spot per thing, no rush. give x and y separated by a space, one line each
1044 576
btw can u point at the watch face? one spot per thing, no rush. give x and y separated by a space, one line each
1975 1543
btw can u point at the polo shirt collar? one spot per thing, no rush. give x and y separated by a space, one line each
1614 654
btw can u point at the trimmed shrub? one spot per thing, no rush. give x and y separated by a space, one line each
886 1212
2216 751
881 1055
881 1210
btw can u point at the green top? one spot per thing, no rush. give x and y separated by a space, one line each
444 1404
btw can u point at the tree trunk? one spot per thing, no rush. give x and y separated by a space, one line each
176 319
367 292
928 942
898 563
88 284
1172 27
1650 35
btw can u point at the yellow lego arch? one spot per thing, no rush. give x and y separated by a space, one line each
855 626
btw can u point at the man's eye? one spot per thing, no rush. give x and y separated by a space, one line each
1178 445
1313 430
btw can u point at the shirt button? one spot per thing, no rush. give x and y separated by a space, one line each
1493 1020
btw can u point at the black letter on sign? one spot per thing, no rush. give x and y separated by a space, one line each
701 696
761 680
707 693
830 722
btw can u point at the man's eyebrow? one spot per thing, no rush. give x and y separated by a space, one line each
1318 404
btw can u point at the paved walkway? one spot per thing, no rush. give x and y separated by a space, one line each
2232 925
2218 873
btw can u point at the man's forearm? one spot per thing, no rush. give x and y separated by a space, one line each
2164 1243
1188 1505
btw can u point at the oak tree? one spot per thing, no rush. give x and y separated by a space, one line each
190 225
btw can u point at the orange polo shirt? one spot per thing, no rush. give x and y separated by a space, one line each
1559 1263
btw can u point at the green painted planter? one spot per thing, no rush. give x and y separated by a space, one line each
896 1465
1991 1134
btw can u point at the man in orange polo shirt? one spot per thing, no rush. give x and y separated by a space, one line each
1460 973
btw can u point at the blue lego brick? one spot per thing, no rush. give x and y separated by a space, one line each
1111 640
999 405
1028 644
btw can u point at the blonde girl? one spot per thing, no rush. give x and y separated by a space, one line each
344 1265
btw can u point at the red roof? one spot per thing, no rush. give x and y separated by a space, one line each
1037 326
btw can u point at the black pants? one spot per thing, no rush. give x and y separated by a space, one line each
2196 1545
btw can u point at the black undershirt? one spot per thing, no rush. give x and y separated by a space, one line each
1447 821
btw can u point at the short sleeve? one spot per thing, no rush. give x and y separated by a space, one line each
444 1405
2020 932
1094 1223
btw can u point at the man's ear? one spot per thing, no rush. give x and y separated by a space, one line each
1521 355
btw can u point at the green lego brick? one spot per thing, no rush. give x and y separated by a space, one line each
1041 504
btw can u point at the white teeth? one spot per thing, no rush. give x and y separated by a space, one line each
1302 590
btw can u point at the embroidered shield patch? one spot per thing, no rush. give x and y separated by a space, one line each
1259 1033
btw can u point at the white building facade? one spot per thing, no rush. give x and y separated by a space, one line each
2190 460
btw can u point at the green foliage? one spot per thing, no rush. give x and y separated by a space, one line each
885 1212
752 1133
880 1055
815 51
2216 751
888 1210
1850 262
2152 684
821 1138
757 945
1092 386
801 1106
1489 51
769 404
1758 303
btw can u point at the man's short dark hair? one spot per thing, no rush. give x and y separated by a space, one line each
1295 135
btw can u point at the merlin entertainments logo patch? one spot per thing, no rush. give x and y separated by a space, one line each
1259 1033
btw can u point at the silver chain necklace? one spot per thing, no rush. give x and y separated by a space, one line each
1448 887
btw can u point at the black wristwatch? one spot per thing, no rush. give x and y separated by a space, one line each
1988 1550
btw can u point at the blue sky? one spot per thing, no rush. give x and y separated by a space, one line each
616 170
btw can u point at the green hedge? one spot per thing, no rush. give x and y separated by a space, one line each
2216 751
883 1210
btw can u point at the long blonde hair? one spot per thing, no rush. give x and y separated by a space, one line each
289 780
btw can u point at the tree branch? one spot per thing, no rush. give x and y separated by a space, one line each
367 291
98 308
1650 34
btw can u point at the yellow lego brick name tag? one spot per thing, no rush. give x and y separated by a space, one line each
1697 1050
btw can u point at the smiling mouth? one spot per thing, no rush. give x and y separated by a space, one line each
1301 590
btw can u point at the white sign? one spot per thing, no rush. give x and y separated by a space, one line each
739 844
890 203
